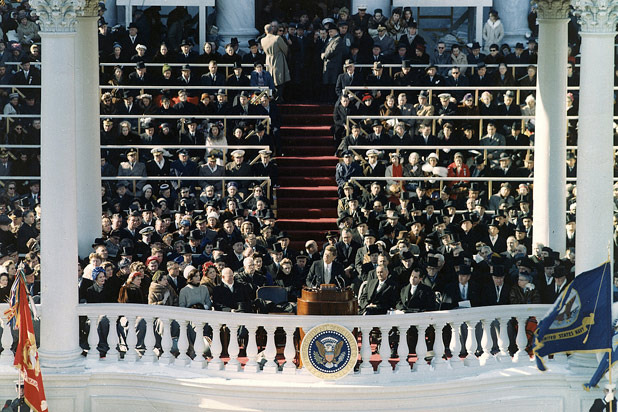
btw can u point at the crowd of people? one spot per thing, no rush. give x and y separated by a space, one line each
401 245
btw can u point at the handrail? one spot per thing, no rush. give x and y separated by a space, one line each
155 320
198 87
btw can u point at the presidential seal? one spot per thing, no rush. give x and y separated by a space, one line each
329 351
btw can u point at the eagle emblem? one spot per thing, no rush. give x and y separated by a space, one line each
328 352
569 311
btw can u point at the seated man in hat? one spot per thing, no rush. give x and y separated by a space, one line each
187 78
463 292
380 80
349 77
343 109
184 107
238 167
237 79
27 74
508 108
211 170
266 167
187 55
183 166
133 167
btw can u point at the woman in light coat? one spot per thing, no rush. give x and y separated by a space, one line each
493 31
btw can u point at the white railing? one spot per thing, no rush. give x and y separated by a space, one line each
481 335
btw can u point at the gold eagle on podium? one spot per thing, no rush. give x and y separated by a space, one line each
328 352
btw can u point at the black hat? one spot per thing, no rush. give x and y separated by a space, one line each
283 235
132 25
277 248
186 42
407 255
433 262
244 93
5 220
97 242
237 65
498 271
195 234
373 249
405 64
252 43
475 45
234 41
140 65
464 270
559 272
186 67
549 262
126 251
332 234
519 46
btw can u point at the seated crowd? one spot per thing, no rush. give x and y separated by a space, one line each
200 244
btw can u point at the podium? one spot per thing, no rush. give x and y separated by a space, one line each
327 300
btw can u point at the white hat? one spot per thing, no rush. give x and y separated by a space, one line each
188 270
444 96
432 155
141 46
372 152
238 153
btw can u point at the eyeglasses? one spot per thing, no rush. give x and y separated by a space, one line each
18 128
455 72
440 48
11 188
493 50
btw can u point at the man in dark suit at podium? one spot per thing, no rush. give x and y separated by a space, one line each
326 270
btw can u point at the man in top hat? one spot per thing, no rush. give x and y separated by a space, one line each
497 292
131 39
509 108
349 77
432 77
405 77
187 78
475 56
254 56
463 292
27 74
236 79
191 137
187 55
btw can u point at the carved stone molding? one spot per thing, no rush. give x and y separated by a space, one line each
596 16
87 8
552 9
56 15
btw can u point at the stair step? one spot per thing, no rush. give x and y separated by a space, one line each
294 202
305 130
314 161
307 192
315 119
325 140
304 224
314 150
305 108
291 171
309 181
304 213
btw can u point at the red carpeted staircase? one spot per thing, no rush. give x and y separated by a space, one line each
307 197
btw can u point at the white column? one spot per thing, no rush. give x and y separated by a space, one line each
202 27
236 19
595 137
88 144
514 17
385 5
59 324
549 209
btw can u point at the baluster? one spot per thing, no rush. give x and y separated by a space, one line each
290 350
270 352
252 352
486 342
183 345
166 357
149 341
470 341
503 340
522 341
113 355
6 358
199 346
421 349
455 345
233 364
131 354
385 351
404 348
93 336
366 367
215 348
438 345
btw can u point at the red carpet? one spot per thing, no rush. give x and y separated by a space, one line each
307 197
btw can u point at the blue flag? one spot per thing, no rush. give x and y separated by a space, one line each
581 318
604 364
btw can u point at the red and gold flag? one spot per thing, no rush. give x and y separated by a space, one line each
27 355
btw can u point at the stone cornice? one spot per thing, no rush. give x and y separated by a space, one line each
596 16
552 9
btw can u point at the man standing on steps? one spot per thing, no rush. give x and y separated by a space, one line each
276 49
332 56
